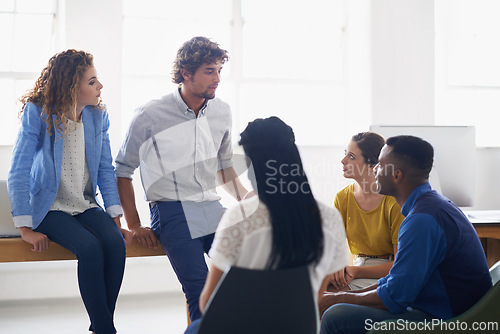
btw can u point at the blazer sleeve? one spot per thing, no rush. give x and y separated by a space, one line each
19 181
106 178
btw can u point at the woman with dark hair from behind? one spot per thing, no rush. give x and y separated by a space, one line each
282 227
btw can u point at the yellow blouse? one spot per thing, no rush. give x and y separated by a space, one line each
373 232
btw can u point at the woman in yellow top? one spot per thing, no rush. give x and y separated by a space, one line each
371 220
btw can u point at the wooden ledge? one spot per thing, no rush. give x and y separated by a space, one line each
488 230
16 250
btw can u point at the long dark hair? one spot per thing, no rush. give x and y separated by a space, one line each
282 186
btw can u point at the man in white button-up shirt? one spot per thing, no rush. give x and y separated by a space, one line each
182 146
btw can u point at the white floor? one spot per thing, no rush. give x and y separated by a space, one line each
145 314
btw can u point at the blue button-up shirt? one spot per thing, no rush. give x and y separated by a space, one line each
440 267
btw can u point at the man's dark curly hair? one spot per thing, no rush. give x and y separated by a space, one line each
194 53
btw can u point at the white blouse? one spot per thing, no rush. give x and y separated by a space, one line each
74 195
244 238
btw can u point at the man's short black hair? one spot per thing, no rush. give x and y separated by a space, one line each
413 152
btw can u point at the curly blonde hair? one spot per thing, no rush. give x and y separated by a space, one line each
56 89
194 53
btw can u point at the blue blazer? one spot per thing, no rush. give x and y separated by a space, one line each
35 170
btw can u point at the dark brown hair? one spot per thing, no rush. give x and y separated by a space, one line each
370 144
194 53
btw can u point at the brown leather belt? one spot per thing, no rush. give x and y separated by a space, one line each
385 256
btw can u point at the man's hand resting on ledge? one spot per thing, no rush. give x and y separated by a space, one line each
145 236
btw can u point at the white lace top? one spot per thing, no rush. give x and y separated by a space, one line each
74 195
247 242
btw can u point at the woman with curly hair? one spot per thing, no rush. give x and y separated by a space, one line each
62 154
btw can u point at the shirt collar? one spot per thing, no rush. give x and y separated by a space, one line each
183 106
204 107
410 201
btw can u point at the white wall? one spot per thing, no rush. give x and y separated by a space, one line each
487 178
402 48
95 26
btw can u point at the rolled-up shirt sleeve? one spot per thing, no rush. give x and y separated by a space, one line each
128 158
225 154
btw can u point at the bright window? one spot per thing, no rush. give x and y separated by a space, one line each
27 42
468 66
286 59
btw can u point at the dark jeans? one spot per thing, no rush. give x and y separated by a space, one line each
193 327
100 250
186 255
356 319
